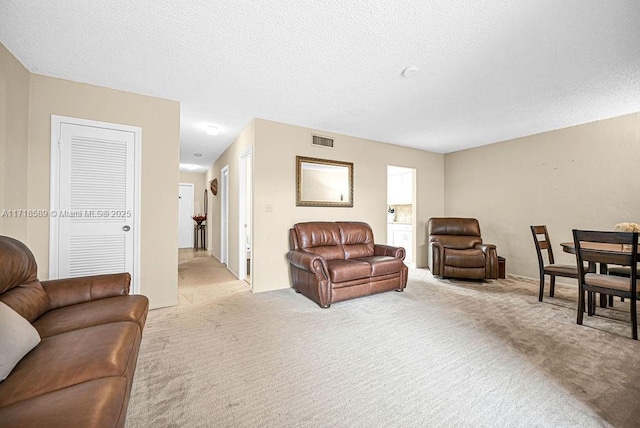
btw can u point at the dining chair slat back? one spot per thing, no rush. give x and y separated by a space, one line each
620 248
599 256
549 267
542 243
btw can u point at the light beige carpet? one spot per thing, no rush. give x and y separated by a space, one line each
440 354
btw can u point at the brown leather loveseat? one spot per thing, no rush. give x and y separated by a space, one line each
335 261
81 371
456 249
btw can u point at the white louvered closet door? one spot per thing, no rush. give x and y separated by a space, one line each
96 201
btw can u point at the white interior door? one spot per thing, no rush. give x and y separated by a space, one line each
94 174
185 216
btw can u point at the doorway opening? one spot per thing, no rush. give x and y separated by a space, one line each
245 244
401 217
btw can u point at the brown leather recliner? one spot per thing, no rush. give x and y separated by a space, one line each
335 261
456 249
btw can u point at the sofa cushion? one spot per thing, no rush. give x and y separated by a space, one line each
347 270
322 238
29 300
69 291
471 258
383 265
356 238
17 338
82 315
17 264
72 358
96 403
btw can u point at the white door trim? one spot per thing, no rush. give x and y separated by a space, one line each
224 215
54 190
245 157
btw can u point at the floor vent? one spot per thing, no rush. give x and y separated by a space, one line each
325 142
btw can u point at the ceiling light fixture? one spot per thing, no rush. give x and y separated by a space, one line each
197 155
410 71
212 130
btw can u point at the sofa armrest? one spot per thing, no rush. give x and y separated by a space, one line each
388 250
69 291
311 262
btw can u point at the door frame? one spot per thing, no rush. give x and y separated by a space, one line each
54 190
414 231
193 198
224 215
245 158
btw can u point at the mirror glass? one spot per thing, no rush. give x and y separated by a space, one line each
323 183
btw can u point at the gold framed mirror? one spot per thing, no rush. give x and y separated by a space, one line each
323 183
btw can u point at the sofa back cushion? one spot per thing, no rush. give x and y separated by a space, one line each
322 238
19 286
17 264
29 300
356 239
453 232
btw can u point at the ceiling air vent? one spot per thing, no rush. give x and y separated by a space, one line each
325 142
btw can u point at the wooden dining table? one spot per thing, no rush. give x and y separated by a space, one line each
569 247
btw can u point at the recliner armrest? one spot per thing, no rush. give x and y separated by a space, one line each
311 262
388 250
70 291
491 256
485 247
436 258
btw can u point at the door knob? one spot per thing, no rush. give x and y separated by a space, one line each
126 228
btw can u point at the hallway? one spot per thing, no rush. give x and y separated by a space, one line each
198 272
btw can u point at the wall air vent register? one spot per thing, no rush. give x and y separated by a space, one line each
319 141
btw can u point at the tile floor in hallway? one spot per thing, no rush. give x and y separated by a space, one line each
185 254
188 254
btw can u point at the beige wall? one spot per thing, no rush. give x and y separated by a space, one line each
14 135
198 179
276 146
160 123
586 176
27 102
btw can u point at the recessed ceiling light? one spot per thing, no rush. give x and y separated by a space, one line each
410 71
189 166
212 130
197 155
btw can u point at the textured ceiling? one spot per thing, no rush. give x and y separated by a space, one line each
489 70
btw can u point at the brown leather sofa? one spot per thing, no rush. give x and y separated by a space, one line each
335 261
81 372
456 249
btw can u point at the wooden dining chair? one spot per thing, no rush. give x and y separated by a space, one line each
609 248
549 267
